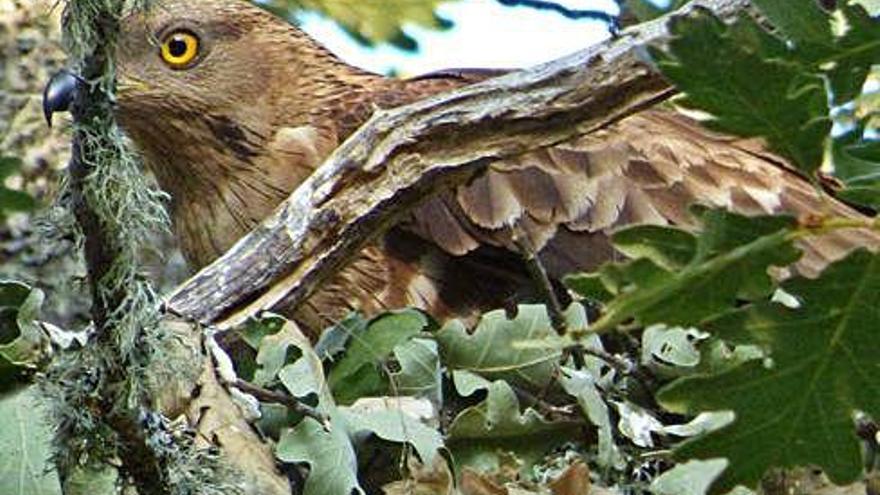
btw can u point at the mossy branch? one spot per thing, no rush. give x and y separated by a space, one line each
98 395
121 303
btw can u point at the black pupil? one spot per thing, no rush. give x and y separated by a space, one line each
177 47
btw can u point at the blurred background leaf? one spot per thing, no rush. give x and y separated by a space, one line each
25 446
12 200
371 22
645 10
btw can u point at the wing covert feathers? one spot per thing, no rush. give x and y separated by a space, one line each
646 169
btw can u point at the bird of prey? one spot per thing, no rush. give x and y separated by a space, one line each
233 107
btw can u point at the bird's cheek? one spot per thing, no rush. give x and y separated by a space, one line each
134 115
127 85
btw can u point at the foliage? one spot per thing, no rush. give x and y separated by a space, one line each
11 200
469 351
728 262
357 372
372 22
777 85
748 87
690 478
20 337
24 442
327 446
517 385
645 10
27 344
796 409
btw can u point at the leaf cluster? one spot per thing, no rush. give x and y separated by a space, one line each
771 374
789 85
371 23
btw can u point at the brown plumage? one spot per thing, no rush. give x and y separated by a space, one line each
231 133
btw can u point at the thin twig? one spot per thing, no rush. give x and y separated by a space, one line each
287 400
547 409
538 273
542 282
621 365
598 15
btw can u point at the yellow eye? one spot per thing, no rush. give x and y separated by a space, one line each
179 49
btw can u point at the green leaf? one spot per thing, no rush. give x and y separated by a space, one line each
12 200
299 378
669 346
669 248
374 22
796 408
25 446
275 350
255 330
22 341
582 387
329 454
854 53
498 417
717 356
846 57
733 254
495 348
419 374
637 423
467 383
305 376
358 372
858 166
589 286
843 46
801 22
690 478
482 434
396 426
747 86
334 339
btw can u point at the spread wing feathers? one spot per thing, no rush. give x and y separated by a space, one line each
647 169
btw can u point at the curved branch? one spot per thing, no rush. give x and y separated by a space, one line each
403 155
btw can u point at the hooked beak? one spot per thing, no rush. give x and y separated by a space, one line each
60 93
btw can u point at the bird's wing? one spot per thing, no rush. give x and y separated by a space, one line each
646 169
454 255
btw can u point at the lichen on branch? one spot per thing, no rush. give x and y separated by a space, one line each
99 396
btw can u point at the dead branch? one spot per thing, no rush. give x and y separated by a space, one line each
403 155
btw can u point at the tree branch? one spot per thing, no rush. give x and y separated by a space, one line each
287 400
598 15
403 155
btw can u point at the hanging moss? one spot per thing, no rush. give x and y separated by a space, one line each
128 209
98 394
